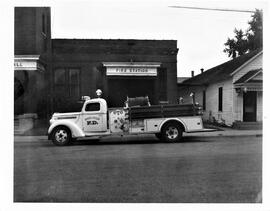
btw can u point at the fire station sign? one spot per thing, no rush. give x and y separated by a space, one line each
131 69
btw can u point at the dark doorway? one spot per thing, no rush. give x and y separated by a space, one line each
250 106
120 88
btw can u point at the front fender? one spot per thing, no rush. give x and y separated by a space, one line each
76 131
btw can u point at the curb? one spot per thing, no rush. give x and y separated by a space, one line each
37 137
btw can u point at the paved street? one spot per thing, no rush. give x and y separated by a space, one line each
199 169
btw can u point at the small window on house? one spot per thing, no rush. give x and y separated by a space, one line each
220 98
92 107
204 100
43 24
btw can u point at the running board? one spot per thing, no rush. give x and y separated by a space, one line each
203 130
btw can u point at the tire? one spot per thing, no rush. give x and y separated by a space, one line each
172 132
61 136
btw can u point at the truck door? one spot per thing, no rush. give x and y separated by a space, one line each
94 119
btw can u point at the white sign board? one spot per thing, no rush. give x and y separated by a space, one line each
27 63
132 71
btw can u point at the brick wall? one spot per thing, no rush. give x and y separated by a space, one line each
29 38
32 38
88 55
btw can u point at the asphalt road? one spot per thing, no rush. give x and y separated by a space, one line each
213 169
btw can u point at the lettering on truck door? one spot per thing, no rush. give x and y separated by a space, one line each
93 118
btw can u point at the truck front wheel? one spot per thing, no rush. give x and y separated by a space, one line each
172 132
61 136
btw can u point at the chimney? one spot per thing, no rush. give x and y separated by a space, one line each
192 73
202 70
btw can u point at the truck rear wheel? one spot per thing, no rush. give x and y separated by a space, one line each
61 136
172 132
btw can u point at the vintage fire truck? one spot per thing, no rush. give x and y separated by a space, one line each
167 122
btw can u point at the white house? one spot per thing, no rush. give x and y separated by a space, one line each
230 93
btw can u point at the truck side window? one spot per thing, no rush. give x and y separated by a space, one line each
92 107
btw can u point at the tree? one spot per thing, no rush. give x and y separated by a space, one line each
255 31
245 42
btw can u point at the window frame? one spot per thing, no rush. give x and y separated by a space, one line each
204 100
92 111
67 82
220 99
43 24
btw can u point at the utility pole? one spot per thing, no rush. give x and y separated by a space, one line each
213 9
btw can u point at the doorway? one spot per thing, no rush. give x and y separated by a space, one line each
250 107
120 88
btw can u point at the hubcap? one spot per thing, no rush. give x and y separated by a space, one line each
61 135
172 132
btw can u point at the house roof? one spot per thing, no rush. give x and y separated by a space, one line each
181 79
248 76
222 71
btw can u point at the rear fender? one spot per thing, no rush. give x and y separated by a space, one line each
173 119
76 131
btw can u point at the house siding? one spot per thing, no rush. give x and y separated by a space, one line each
232 107
259 106
256 63
238 106
211 112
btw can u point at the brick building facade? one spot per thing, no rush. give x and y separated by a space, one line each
51 75
145 67
32 49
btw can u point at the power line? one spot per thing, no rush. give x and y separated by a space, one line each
215 9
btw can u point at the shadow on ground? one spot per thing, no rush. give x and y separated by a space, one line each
126 141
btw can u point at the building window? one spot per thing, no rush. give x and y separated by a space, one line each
204 100
67 83
43 24
220 98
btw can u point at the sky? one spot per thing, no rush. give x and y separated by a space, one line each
200 34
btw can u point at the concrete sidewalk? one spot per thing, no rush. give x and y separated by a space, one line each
226 132
42 127
142 137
